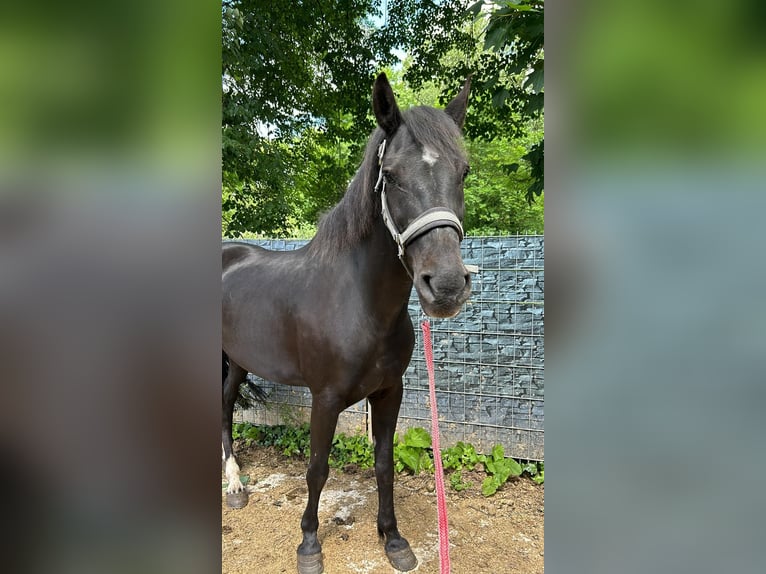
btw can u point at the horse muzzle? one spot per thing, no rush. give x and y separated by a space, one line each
443 295
442 281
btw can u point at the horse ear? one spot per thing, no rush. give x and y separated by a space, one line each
456 108
384 105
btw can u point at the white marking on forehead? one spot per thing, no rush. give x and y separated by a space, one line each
430 156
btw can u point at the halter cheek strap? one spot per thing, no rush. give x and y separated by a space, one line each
428 220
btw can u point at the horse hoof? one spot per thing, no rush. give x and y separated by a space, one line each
237 499
310 563
403 560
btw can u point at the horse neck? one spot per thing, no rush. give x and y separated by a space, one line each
354 232
386 278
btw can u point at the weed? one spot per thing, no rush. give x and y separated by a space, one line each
460 456
351 450
457 483
411 451
499 469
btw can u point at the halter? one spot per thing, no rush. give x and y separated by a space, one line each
428 220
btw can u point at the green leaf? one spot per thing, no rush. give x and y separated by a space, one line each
475 8
489 486
417 437
497 452
499 97
535 80
514 5
457 483
410 458
530 468
502 470
496 37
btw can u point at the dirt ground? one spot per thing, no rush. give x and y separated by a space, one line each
497 535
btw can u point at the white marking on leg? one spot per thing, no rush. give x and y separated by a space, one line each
232 475
430 156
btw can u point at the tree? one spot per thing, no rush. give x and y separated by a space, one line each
296 92
288 75
501 43
495 197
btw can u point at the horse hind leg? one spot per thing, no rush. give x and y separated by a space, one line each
234 376
385 410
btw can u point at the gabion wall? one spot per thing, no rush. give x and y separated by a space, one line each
489 360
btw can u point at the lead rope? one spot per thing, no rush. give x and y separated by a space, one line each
441 504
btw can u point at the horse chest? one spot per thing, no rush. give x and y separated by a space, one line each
355 354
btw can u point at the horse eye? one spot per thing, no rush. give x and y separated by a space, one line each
388 175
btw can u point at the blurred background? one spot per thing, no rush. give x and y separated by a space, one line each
110 218
656 300
109 286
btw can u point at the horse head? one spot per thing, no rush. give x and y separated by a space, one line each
422 166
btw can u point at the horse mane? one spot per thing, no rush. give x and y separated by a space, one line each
352 219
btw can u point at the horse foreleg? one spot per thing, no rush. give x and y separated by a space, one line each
324 418
385 410
236 494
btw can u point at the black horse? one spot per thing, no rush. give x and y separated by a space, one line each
333 317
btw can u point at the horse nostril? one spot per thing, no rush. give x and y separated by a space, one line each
427 280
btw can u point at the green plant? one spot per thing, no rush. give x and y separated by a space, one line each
247 432
411 451
499 469
294 440
535 471
351 450
457 483
460 456
289 439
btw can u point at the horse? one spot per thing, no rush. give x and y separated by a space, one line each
332 316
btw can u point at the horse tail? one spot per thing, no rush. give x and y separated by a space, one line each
249 394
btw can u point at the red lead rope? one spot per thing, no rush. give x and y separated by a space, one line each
441 504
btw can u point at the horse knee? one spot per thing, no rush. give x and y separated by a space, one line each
317 473
384 468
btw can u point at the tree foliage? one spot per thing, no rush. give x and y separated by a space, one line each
495 196
501 44
295 81
296 101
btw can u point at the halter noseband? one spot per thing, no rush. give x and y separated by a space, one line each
428 220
